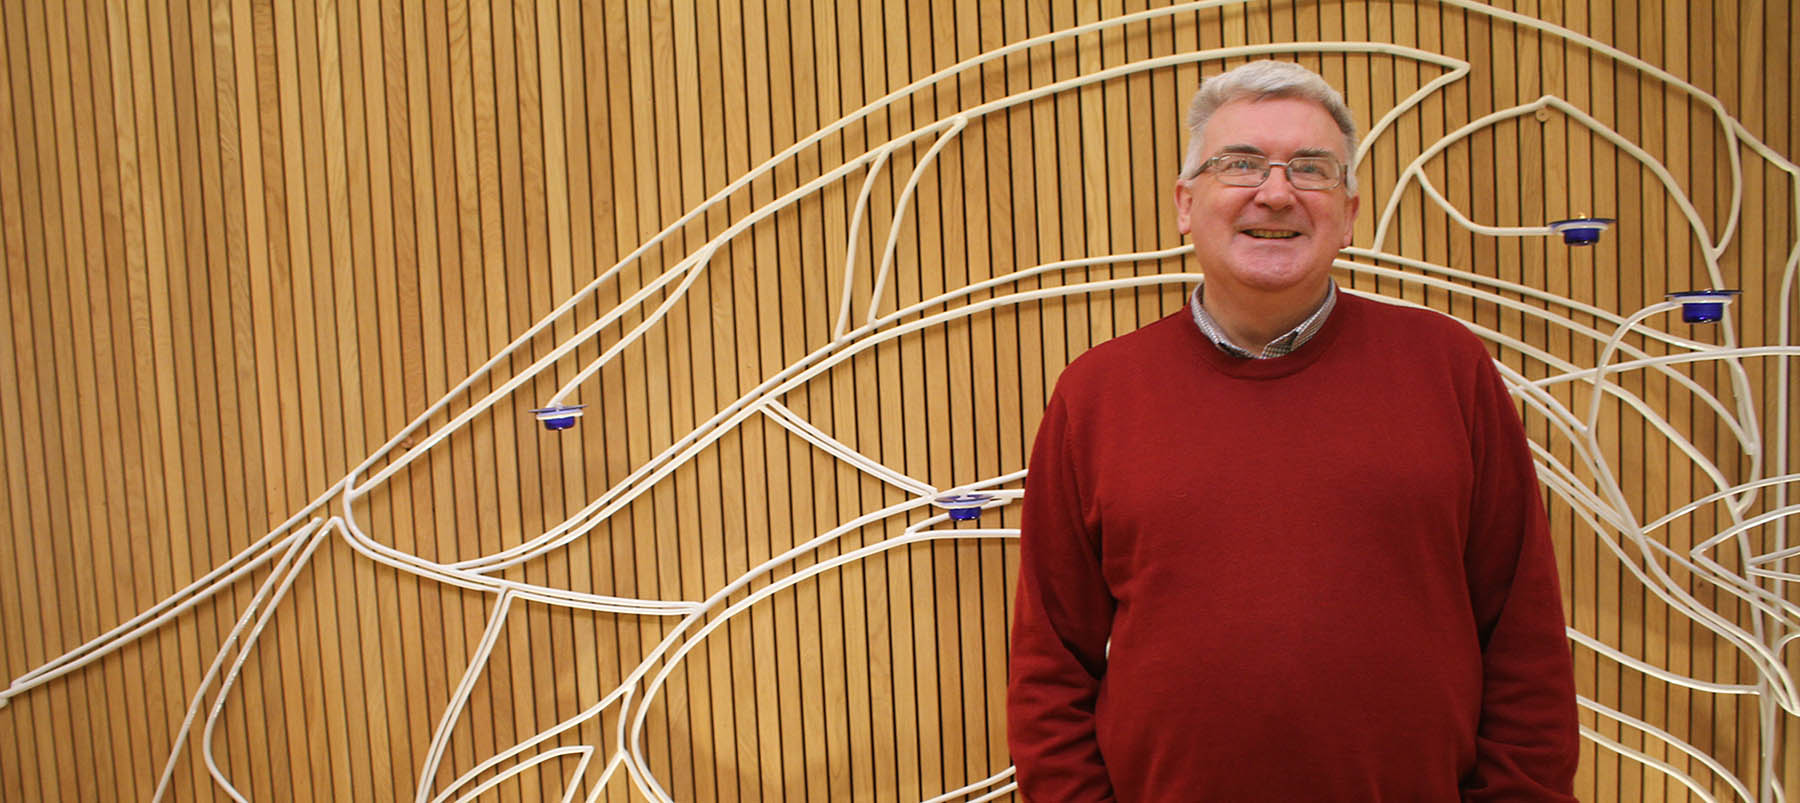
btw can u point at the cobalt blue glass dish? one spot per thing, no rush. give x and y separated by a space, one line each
963 507
1581 230
558 417
1703 306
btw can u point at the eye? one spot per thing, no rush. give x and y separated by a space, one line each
1311 168
1241 164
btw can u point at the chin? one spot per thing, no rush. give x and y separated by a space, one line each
1275 277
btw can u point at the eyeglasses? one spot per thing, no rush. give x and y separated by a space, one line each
1252 169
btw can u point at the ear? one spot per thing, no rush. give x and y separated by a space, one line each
1350 230
1183 196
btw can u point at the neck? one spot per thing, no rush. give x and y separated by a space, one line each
1253 320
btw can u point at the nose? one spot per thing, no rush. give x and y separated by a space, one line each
1276 192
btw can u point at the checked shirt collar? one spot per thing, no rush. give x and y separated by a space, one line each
1295 338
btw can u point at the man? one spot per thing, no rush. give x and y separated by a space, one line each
1285 544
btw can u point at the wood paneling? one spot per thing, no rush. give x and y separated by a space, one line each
246 242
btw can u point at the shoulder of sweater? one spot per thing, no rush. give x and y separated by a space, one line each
1421 327
1132 353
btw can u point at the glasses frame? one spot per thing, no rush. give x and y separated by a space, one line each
1269 165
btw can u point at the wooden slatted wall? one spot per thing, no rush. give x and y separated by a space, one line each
246 242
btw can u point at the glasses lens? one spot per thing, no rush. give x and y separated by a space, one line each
1241 169
1314 173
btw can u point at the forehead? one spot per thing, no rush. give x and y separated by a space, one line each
1278 127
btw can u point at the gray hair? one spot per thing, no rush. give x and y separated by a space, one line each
1265 80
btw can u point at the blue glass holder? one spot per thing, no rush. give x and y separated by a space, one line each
1703 306
1581 230
558 417
963 507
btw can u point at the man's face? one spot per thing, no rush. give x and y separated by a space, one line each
1274 238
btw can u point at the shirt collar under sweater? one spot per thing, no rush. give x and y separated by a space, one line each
1285 344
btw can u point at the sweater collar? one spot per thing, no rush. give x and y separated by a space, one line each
1345 311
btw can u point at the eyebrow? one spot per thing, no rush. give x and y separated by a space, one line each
1243 148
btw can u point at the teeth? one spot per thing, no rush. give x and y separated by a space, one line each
1265 234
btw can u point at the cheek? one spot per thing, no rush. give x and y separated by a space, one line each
1216 213
1334 219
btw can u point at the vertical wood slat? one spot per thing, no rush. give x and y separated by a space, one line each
95 556
19 773
1666 137
1769 93
51 320
258 238
1615 291
350 183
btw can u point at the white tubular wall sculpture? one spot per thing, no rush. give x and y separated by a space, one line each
1732 580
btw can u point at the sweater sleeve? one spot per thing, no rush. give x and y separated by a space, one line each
1527 743
1061 621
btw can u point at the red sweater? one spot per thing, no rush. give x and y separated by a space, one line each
1324 576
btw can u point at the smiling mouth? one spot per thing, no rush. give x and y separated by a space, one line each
1271 234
